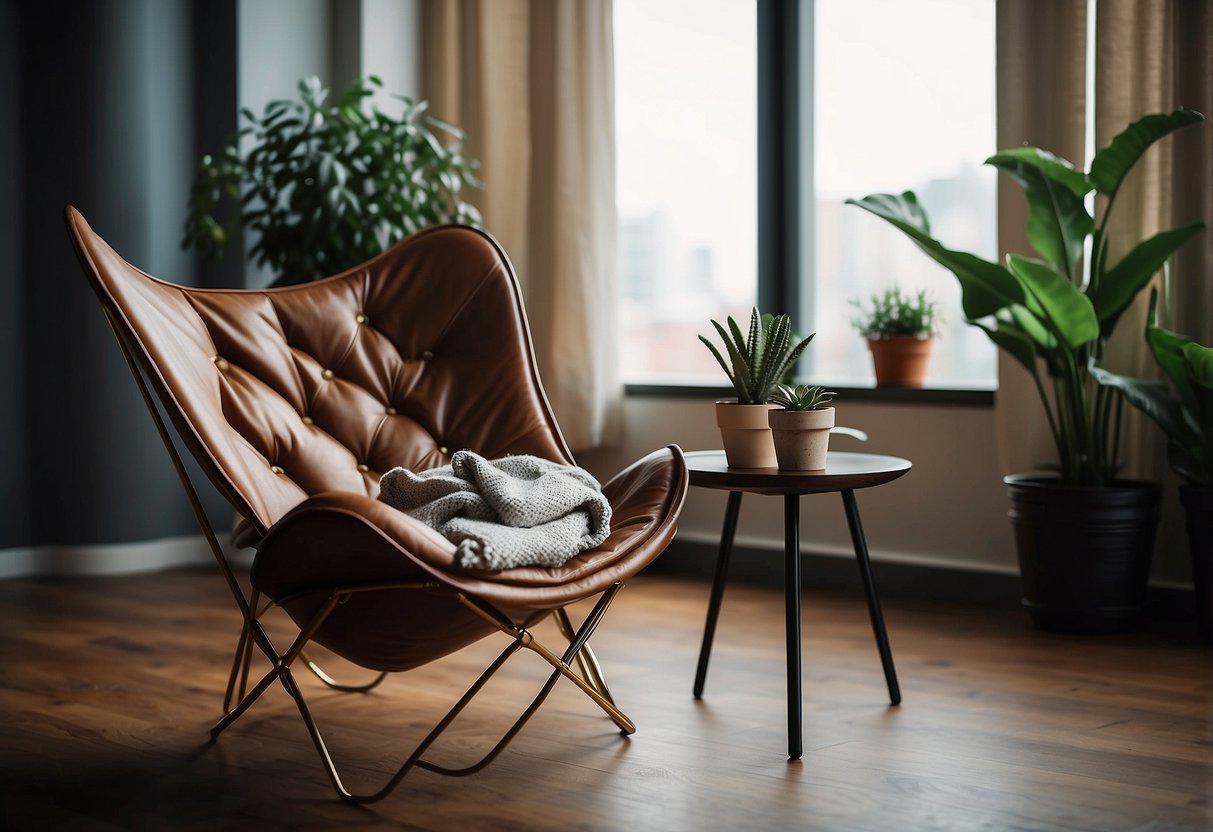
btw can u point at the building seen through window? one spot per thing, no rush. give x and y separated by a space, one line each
903 100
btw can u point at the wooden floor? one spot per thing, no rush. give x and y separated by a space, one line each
108 686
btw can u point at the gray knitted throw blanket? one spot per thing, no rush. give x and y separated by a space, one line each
516 511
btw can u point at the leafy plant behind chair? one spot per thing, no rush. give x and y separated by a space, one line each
759 361
325 188
1052 309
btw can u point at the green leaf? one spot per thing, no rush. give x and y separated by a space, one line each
985 287
1152 397
1199 361
1120 284
1112 163
1068 310
1052 167
1033 324
1168 350
1012 339
1058 222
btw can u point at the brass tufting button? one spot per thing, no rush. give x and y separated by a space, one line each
427 355
362 318
276 469
391 411
363 467
442 449
307 420
326 374
221 362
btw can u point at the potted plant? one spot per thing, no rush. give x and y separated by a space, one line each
801 428
1184 410
1084 537
757 362
899 328
328 186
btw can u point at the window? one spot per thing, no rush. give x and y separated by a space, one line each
903 98
685 92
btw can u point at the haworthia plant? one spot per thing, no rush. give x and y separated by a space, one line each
760 360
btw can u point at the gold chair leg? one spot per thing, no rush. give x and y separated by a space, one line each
334 684
521 638
561 663
244 654
586 660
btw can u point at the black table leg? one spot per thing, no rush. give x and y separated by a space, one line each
791 578
869 586
722 568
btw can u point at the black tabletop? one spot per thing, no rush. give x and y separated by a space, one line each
843 472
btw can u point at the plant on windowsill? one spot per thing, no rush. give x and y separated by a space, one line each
899 329
757 362
1183 409
801 426
326 187
1084 538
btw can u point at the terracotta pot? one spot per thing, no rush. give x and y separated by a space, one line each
746 434
900 361
802 438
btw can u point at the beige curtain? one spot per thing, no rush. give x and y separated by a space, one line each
532 83
1153 56
1041 75
1150 56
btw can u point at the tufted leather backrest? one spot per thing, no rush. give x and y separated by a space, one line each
286 393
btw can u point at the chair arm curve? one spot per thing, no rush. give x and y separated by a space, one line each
337 539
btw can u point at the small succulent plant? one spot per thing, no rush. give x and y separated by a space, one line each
893 313
801 397
758 362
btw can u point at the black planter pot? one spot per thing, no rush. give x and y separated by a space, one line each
1198 503
1084 553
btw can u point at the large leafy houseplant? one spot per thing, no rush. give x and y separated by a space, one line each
1058 308
326 186
1182 405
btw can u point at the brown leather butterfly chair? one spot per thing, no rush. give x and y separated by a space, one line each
294 400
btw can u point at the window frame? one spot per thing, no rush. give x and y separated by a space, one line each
787 231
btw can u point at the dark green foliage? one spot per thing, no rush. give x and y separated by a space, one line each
802 397
1182 405
325 188
1057 311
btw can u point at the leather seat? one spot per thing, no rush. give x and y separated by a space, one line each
295 400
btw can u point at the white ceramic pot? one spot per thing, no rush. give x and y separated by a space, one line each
802 438
746 434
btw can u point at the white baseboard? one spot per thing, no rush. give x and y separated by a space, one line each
116 558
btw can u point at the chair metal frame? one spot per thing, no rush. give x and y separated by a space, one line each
590 680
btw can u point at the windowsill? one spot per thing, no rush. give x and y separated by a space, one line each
959 395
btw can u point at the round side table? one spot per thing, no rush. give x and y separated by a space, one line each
844 473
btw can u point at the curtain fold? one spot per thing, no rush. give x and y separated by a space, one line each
532 83
1040 58
1150 56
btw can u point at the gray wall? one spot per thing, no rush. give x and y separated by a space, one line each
107 105
14 495
106 123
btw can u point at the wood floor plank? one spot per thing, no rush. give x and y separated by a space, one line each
109 685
